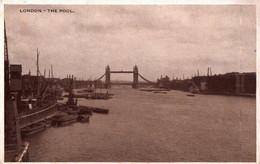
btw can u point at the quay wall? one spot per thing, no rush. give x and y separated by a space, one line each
234 83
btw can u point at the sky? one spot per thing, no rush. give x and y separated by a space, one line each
160 39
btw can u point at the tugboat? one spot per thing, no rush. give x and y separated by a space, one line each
69 111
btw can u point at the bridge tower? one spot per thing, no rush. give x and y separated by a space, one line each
135 74
107 83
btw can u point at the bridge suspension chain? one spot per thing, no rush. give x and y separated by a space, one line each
145 79
101 77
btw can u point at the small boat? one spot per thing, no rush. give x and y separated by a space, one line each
89 110
160 92
101 110
194 89
57 117
191 95
83 118
67 120
85 110
154 89
104 96
33 128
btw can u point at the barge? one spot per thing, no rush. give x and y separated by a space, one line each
32 129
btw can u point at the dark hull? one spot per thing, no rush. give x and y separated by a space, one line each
67 120
85 110
83 118
32 130
159 92
41 114
62 123
93 96
101 110
89 110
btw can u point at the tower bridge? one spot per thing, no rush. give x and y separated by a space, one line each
135 73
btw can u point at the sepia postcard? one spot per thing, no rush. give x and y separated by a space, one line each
129 82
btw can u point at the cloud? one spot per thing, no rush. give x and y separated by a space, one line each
161 39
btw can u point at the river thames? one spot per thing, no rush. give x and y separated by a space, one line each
149 127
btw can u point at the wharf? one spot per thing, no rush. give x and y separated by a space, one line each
229 94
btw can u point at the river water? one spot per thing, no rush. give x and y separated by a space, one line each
148 127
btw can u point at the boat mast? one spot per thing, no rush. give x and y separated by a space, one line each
38 80
49 79
7 72
51 72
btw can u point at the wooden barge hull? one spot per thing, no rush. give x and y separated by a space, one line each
29 131
38 116
62 123
68 120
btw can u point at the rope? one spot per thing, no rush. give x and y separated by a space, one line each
20 159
